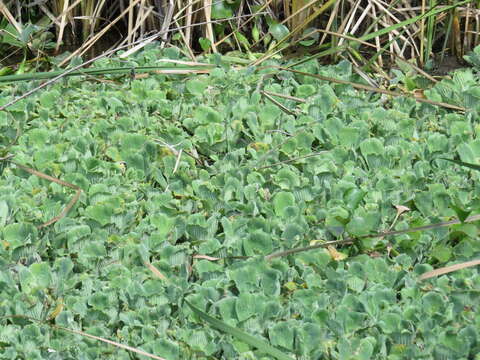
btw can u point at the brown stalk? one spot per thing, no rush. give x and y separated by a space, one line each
209 27
188 22
283 108
167 21
422 34
374 89
71 203
155 271
143 42
96 14
130 34
288 17
347 23
142 17
382 234
448 269
63 22
186 40
289 97
331 19
351 38
291 160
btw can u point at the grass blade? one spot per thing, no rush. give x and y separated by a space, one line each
101 71
243 336
464 164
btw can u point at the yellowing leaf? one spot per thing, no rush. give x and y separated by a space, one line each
58 309
290 286
337 256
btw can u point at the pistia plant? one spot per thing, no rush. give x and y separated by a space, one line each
237 213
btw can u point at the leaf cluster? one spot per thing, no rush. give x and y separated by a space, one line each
172 167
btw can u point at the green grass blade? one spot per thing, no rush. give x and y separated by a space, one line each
95 71
464 164
243 336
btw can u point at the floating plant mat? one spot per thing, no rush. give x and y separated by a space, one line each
203 176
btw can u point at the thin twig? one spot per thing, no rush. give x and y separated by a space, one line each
448 269
289 97
79 332
282 107
374 89
377 235
71 203
291 160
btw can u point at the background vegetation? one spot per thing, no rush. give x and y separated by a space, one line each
357 30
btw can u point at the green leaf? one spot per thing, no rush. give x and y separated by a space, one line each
270 282
437 142
433 303
239 334
3 213
101 213
255 33
205 44
245 306
267 116
196 87
258 242
206 115
41 274
167 349
461 213
305 90
163 223
466 153
278 31
372 146
390 322
282 201
442 253
19 234
220 10
282 334
226 307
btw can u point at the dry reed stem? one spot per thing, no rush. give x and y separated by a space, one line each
448 269
11 19
89 43
63 22
142 17
209 27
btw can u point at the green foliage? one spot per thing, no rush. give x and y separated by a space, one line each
236 180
